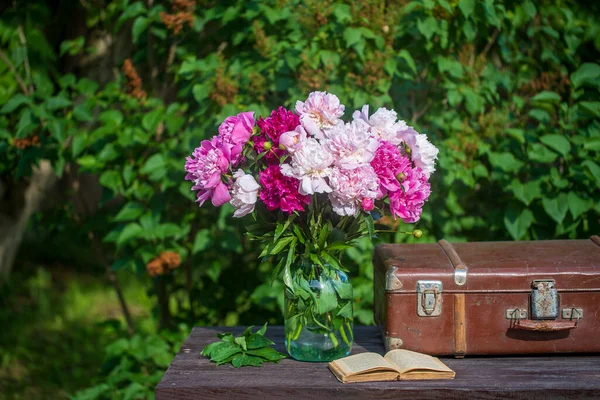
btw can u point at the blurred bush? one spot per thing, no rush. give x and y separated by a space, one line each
508 90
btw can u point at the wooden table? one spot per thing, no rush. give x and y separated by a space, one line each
192 376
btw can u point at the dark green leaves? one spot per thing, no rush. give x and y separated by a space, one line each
249 349
517 223
557 142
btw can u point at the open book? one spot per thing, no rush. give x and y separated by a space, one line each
395 365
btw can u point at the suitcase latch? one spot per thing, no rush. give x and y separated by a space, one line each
429 298
544 299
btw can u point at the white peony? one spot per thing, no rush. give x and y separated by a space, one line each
311 164
351 144
423 153
244 193
383 124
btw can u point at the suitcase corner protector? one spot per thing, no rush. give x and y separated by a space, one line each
392 343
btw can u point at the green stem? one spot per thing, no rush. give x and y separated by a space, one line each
334 340
344 337
297 332
350 330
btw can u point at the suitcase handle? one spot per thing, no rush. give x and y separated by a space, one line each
545 326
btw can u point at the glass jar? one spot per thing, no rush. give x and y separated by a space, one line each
318 313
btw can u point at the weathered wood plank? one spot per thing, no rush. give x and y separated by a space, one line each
192 376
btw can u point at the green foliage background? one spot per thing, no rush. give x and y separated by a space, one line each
508 90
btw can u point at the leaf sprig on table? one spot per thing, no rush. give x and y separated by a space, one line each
249 349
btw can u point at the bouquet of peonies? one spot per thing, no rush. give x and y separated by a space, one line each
313 184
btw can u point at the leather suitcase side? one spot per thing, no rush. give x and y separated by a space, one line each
489 298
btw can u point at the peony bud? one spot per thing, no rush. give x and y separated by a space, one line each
401 176
267 146
291 141
367 204
417 233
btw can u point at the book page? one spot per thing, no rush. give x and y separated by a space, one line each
361 363
407 360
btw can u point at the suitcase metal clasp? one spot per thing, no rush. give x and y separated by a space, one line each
429 298
544 299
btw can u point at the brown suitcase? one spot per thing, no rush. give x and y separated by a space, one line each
490 297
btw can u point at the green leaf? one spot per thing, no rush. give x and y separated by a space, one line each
546 96
408 58
592 143
586 73
541 153
57 102
594 169
56 128
155 162
557 207
130 211
226 337
256 341
453 67
211 348
202 241
428 27
327 299
277 246
352 36
346 310
505 161
131 231
262 330
14 102
268 353
343 289
526 192
242 342
557 142
82 113
225 351
243 360
467 7
152 119
518 223
592 107
139 26
577 205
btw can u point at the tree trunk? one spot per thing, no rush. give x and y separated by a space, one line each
18 201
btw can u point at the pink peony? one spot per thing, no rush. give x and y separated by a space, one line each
407 203
320 112
292 140
351 144
271 129
388 163
205 168
351 188
237 129
281 192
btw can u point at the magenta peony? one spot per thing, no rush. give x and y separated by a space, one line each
237 129
388 163
281 192
271 129
407 203
205 168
